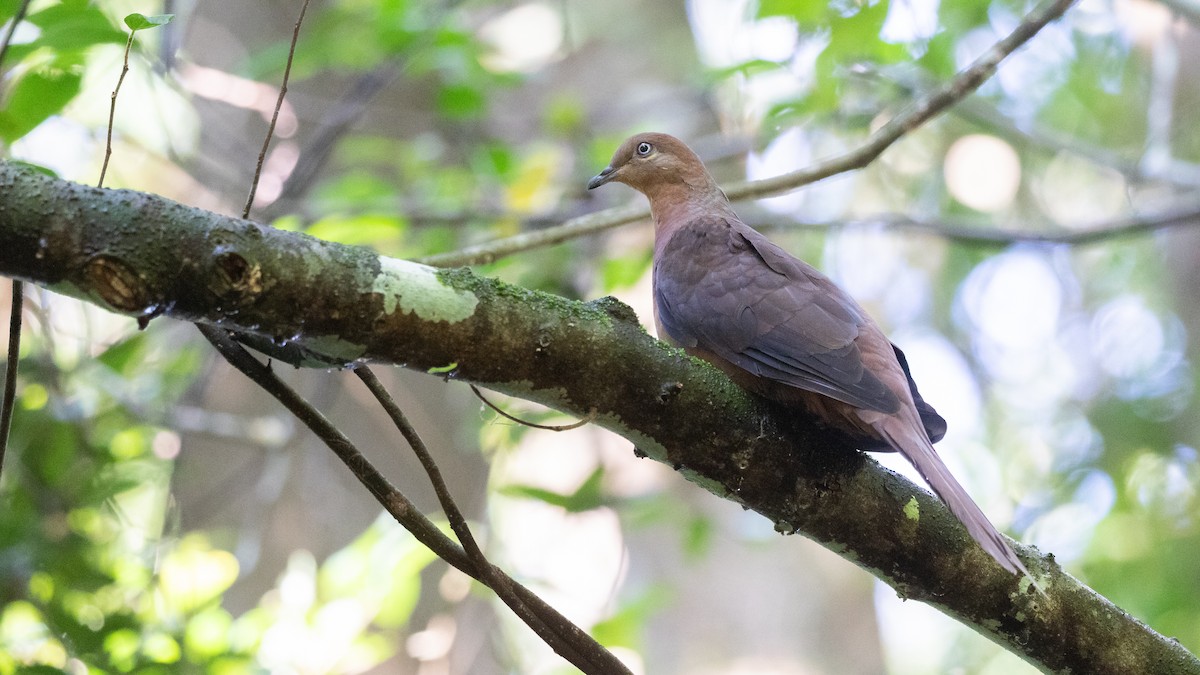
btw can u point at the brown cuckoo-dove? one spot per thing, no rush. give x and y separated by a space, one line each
777 326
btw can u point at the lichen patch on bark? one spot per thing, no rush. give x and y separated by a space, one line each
415 288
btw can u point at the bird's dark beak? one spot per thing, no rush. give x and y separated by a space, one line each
603 177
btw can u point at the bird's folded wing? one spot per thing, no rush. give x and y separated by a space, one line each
724 288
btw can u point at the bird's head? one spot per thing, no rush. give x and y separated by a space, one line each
650 161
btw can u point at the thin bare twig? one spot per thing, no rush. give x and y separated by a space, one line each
924 109
575 640
10 372
548 427
349 108
18 295
112 110
393 501
283 87
979 235
341 118
985 113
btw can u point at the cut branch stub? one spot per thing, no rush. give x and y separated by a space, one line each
235 279
118 284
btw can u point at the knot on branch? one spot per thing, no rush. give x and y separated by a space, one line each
117 284
615 309
235 278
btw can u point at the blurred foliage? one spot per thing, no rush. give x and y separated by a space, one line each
1083 393
93 572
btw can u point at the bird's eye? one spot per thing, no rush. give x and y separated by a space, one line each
644 149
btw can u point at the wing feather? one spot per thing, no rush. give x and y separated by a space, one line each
723 287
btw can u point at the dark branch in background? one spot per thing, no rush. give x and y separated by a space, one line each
1188 9
18 294
287 73
172 35
563 634
924 109
10 372
348 109
12 27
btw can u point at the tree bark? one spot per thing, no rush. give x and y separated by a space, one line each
315 303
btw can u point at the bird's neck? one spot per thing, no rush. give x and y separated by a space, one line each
674 205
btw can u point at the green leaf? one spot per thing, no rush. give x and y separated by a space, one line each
856 37
624 271
138 22
807 13
45 170
460 101
70 27
367 229
587 497
747 68
697 537
8 9
627 626
35 97
358 191
126 355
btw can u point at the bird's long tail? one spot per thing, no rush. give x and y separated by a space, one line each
917 448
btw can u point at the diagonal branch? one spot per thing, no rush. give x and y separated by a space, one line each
562 635
143 255
9 400
920 112
971 234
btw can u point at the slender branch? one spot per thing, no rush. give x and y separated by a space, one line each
576 641
574 228
920 112
12 28
18 295
984 113
393 501
112 110
980 235
962 231
10 372
923 110
283 87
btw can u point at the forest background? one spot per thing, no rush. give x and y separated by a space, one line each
1033 250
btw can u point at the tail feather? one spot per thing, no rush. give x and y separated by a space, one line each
917 448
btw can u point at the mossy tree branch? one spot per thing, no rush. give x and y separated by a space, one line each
312 302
